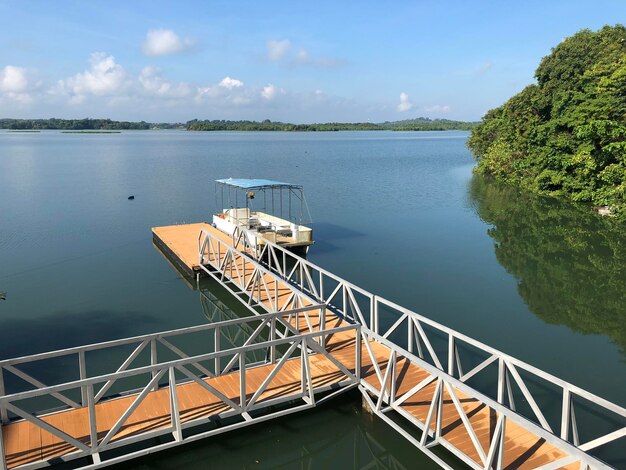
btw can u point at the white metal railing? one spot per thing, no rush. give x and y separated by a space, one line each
241 275
273 336
518 389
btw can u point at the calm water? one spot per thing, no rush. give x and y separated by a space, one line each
396 213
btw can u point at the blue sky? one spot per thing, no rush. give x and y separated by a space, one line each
291 61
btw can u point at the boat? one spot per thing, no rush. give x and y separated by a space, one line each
268 211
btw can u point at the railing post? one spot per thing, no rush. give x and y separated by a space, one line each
565 414
4 415
243 283
217 348
273 338
450 354
174 413
409 334
93 426
303 365
344 300
3 460
242 381
322 286
500 462
358 346
323 326
82 367
154 359
575 437
392 386
439 420
201 247
376 314
501 380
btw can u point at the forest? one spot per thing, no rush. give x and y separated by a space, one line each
81 124
565 135
419 124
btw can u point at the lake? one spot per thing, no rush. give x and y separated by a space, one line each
399 214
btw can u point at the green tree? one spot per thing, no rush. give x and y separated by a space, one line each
566 134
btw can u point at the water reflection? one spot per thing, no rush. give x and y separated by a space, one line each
333 437
570 263
326 233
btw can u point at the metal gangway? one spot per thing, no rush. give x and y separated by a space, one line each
179 386
487 408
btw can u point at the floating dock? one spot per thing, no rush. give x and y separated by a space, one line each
318 336
180 244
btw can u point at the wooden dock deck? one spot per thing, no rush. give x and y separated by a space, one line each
180 244
472 429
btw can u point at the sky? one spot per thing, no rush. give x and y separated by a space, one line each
293 61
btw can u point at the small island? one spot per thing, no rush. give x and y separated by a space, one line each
566 134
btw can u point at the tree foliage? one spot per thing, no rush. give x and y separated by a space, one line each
80 124
566 134
419 124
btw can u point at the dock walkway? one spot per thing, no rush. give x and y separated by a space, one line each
318 335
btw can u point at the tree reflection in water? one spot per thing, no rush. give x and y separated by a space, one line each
569 262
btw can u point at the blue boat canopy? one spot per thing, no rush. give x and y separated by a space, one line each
258 184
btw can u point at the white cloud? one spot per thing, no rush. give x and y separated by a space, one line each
13 79
277 49
304 58
107 88
230 83
280 51
484 68
438 108
268 92
164 42
15 86
405 103
152 82
105 77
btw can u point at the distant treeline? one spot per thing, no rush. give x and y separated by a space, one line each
83 124
419 124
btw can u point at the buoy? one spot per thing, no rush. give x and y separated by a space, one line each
130 198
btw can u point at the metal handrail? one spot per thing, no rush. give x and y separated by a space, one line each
150 336
447 330
305 342
175 363
302 273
